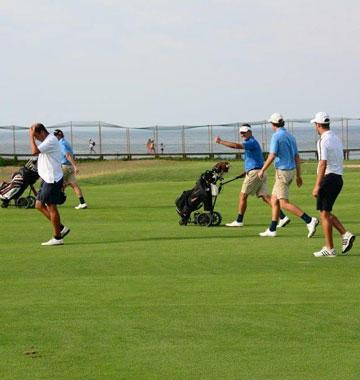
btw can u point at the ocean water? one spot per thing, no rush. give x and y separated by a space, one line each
182 140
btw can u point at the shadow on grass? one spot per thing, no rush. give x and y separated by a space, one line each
174 238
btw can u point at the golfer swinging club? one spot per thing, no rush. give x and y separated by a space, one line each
51 190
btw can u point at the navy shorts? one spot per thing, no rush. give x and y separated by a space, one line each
51 193
330 188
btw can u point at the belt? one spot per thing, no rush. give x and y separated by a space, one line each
333 174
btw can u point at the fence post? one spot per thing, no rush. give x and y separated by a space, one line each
128 148
14 142
183 141
71 134
264 137
347 133
100 141
156 133
237 139
211 153
347 138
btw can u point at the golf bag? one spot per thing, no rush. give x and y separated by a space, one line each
26 176
203 194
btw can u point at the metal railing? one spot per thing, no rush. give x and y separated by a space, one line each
181 140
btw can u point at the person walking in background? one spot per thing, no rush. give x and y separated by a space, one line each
51 190
283 150
252 185
69 168
162 147
92 144
328 185
150 146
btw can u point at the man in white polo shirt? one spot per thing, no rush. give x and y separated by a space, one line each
49 169
328 185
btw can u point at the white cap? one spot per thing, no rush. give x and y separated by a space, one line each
276 118
321 118
245 128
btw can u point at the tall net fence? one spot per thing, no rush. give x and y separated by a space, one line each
195 140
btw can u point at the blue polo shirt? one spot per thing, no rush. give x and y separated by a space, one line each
253 154
283 145
65 148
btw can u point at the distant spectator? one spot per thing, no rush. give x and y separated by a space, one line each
150 146
91 146
162 146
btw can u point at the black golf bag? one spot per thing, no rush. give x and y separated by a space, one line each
26 176
203 194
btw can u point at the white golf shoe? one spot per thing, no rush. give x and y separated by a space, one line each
81 206
312 227
325 252
235 223
347 242
283 222
54 241
267 233
64 231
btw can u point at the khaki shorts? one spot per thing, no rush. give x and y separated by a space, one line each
283 179
253 185
69 175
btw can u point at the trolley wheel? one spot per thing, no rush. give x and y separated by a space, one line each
31 201
196 215
21 202
216 218
204 219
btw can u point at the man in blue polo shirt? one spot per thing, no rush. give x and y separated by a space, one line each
69 168
252 184
283 150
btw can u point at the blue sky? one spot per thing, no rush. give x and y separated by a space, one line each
139 63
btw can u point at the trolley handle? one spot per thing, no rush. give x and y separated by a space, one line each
242 175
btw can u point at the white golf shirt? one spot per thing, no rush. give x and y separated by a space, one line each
49 161
330 148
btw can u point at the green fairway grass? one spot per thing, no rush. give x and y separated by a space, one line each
133 295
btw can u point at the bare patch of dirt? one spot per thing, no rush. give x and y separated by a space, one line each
96 168
32 353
